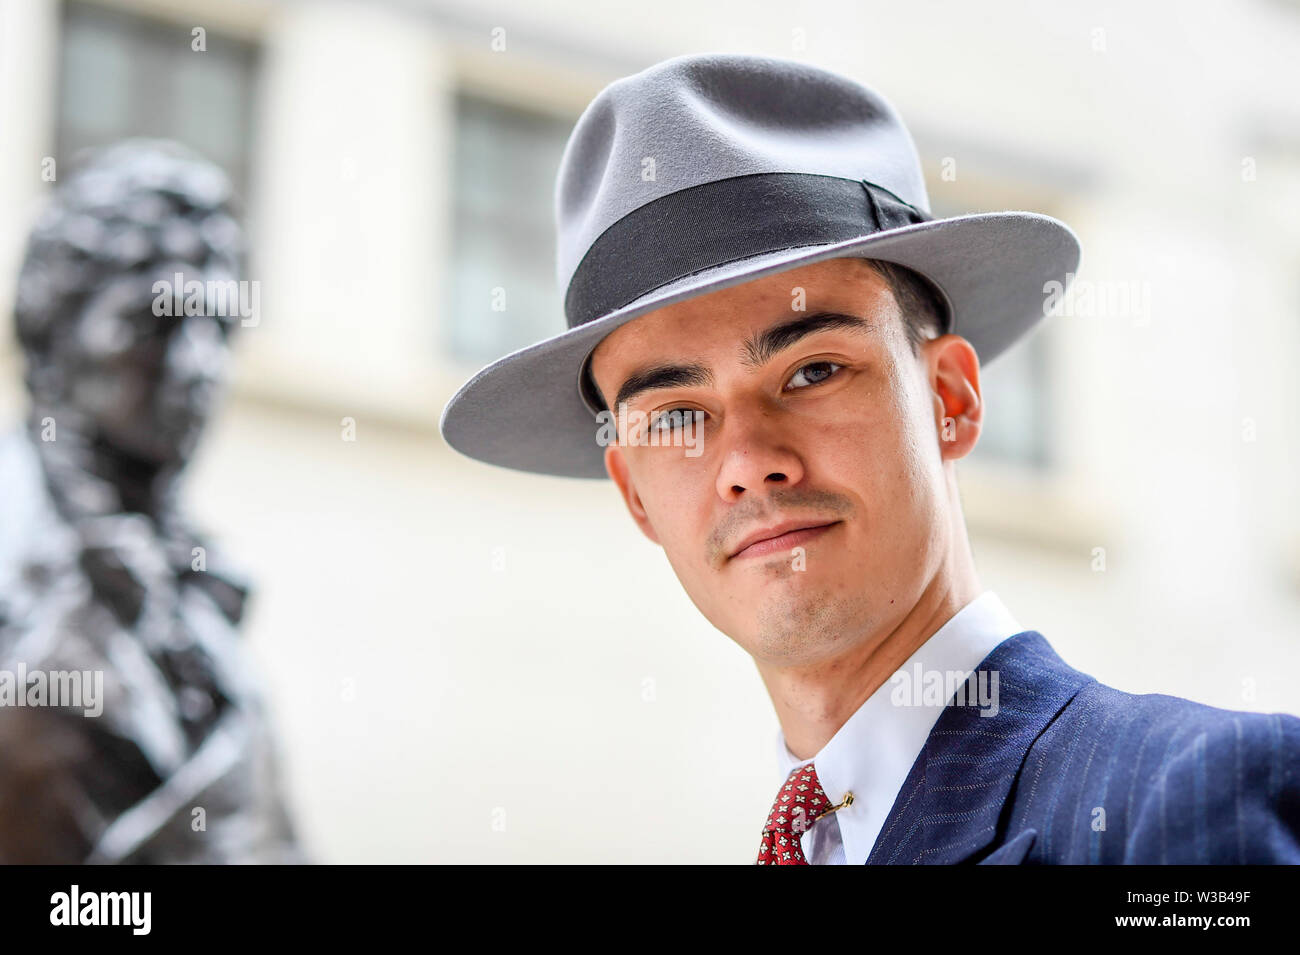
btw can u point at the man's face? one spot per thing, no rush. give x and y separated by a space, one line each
818 418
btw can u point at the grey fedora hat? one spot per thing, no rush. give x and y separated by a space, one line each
705 171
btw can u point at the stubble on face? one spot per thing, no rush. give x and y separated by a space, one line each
796 627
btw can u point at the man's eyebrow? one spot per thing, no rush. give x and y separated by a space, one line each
757 350
663 376
763 346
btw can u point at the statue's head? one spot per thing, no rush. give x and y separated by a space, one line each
112 350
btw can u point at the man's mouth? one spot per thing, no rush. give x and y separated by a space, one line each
781 537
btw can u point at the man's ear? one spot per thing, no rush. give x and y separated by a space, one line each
616 467
953 370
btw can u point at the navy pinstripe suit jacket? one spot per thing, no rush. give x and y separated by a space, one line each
1072 771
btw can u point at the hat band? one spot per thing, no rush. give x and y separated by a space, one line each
718 222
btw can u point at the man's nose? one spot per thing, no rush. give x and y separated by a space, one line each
758 455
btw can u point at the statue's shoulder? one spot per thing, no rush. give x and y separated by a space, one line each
37 546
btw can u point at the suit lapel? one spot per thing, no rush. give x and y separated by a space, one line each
950 808
1012 852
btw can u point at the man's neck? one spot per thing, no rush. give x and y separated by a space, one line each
813 701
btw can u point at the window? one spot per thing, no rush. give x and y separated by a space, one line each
1018 404
504 229
123 75
1015 389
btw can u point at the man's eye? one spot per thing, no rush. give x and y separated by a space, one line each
668 420
813 373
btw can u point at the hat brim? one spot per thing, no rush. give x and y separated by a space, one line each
525 411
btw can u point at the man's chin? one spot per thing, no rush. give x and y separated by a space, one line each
796 622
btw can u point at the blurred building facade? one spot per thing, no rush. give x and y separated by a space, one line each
462 661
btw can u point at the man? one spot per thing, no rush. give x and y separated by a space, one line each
163 752
774 352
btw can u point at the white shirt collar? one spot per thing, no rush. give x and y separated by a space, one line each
872 753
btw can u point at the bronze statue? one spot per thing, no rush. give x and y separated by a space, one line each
125 305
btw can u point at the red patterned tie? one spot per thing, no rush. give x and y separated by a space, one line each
798 805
